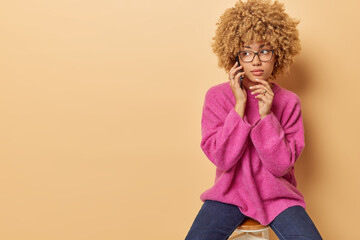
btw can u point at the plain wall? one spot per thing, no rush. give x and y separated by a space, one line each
101 106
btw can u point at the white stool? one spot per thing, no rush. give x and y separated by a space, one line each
250 229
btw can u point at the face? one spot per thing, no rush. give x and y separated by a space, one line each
250 67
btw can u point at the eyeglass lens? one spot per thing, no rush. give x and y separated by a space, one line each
248 56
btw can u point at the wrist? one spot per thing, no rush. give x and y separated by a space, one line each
240 104
264 115
240 109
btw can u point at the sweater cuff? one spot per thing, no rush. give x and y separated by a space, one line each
266 120
266 129
234 116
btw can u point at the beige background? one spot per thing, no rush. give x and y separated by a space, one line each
100 116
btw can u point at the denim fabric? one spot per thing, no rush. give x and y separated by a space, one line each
217 221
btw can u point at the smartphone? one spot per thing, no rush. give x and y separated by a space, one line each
241 70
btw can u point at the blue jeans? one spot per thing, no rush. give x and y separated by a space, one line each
217 221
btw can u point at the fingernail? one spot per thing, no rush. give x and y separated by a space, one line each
251 87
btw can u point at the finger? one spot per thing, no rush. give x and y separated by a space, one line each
261 86
234 66
237 81
237 76
267 88
231 74
257 91
264 97
259 97
233 71
231 81
266 83
239 67
261 89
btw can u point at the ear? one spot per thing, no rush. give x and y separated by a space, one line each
276 62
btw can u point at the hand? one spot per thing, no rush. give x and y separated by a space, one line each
239 93
264 100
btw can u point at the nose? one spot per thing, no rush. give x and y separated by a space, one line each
256 61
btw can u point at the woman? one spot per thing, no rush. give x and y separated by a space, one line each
252 130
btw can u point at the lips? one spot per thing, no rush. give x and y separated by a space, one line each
257 72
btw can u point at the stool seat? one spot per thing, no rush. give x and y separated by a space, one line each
251 224
250 229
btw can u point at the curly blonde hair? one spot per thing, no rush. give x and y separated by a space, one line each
257 20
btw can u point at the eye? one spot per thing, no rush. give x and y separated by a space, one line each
265 51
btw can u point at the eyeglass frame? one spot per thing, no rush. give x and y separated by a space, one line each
257 53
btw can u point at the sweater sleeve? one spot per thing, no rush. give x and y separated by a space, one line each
224 133
279 146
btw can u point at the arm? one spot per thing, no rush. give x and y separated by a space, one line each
280 146
224 134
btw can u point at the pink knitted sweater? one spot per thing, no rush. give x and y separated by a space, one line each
254 158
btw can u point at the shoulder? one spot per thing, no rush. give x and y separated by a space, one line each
219 92
286 97
287 105
218 89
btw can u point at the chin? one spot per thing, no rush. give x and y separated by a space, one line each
260 77
252 78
